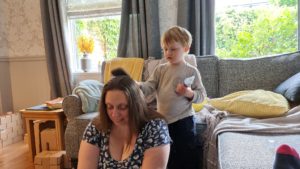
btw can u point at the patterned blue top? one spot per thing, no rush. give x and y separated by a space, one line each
154 133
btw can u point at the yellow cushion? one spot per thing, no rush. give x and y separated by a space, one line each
252 103
132 66
198 106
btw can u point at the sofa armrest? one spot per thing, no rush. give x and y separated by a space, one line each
72 106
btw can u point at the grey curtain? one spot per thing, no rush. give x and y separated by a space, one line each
198 17
56 53
139 34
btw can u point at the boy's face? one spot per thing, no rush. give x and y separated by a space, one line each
175 52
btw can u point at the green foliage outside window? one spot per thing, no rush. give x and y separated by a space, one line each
284 2
256 32
105 30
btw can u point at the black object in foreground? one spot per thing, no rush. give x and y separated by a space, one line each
286 158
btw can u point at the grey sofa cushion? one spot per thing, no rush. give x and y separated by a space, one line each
208 67
256 73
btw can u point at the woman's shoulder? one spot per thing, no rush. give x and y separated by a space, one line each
92 131
157 121
155 133
156 124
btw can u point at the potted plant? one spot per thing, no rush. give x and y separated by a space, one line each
86 46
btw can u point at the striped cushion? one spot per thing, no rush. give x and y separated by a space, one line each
252 103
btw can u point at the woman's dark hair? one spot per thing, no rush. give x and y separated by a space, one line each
119 72
138 111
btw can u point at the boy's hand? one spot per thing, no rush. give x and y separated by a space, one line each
183 90
138 83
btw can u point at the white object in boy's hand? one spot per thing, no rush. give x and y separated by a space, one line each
188 81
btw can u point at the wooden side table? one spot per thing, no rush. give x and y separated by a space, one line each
56 115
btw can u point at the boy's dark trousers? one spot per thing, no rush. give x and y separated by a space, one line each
186 149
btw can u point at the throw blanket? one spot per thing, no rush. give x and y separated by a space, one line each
133 66
89 92
220 121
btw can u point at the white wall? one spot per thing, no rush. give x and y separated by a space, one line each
22 56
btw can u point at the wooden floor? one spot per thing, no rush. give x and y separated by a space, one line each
15 156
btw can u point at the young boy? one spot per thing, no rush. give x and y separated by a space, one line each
178 85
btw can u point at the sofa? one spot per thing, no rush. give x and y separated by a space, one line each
220 77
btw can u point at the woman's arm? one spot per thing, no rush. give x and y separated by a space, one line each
156 157
88 156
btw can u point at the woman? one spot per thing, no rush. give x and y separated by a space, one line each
126 134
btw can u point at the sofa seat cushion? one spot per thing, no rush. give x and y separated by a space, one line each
252 103
250 150
290 88
87 116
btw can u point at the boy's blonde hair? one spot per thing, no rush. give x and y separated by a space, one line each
176 34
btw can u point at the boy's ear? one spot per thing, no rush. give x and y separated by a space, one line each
187 49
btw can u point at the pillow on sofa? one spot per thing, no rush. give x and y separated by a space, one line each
89 92
198 106
290 88
252 103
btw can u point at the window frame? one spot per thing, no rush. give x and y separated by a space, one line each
71 17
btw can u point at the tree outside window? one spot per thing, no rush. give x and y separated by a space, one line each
256 29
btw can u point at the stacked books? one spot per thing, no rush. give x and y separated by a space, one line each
55 103
42 107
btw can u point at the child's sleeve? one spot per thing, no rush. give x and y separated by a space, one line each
198 88
151 84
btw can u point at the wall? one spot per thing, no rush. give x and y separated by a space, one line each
5 84
23 70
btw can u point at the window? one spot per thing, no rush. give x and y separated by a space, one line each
99 19
253 28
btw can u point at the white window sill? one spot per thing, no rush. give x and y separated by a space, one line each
79 76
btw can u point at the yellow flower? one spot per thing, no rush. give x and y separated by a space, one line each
85 44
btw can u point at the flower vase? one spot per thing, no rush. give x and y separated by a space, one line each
86 63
